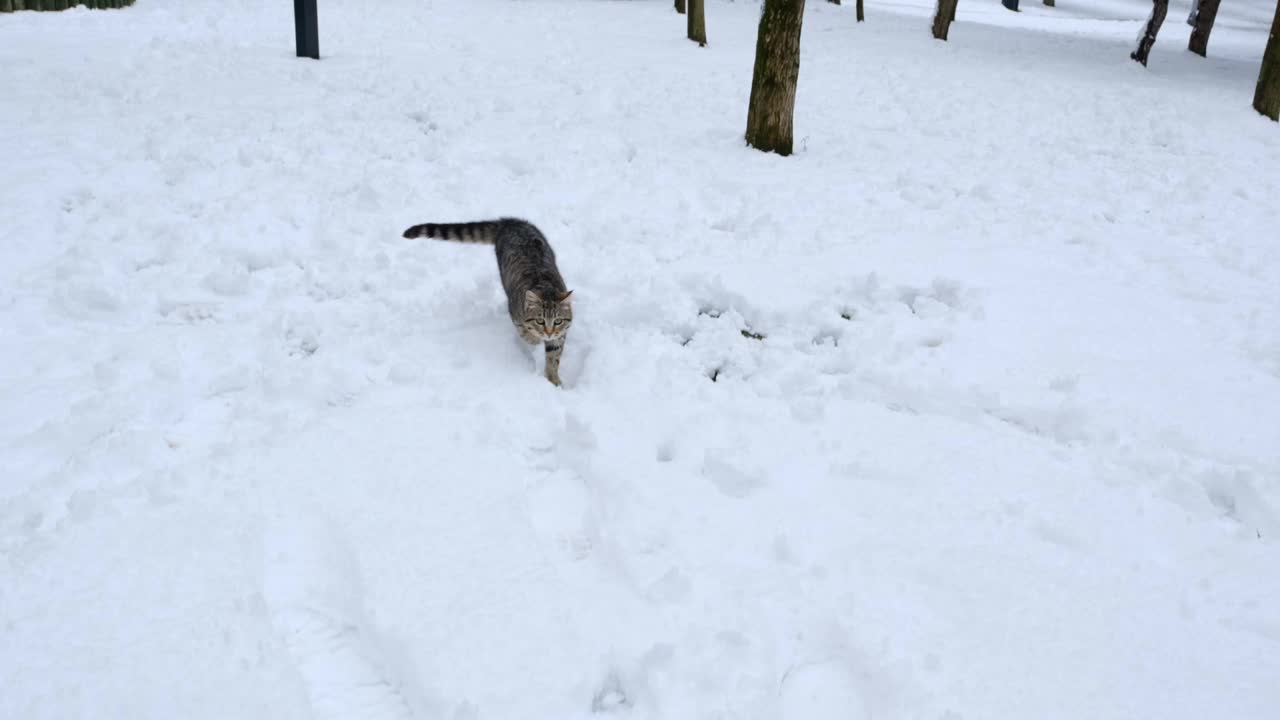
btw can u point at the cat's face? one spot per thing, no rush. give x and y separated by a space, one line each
547 317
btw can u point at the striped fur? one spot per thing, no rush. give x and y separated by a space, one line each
537 299
472 232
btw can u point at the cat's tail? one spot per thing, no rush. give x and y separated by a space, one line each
472 232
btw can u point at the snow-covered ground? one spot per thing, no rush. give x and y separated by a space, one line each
1009 447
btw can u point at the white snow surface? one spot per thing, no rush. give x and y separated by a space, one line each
1009 446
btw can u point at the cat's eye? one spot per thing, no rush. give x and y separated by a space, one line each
559 321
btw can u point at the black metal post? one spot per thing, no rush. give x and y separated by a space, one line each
307 28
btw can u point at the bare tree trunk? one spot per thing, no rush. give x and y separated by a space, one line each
680 6
860 17
945 16
1159 9
1203 16
697 25
773 84
1266 99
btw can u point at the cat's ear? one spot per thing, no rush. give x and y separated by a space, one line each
531 297
564 296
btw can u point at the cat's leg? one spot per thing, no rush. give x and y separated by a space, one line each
528 343
554 348
529 337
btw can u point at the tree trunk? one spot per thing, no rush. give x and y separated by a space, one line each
1049 3
306 29
860 18
1159 9
773 84
1266 99
1203 16
6 5
697 25
942 20
680 6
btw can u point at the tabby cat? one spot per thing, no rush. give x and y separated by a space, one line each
536 295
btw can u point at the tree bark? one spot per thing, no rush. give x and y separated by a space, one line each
942 20
773 83
1205 13
697 25
1266 99
860 17
680 6
1159 9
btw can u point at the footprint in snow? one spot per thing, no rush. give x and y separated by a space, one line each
729 479
312 590
557 497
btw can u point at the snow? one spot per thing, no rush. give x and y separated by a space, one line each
970 409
